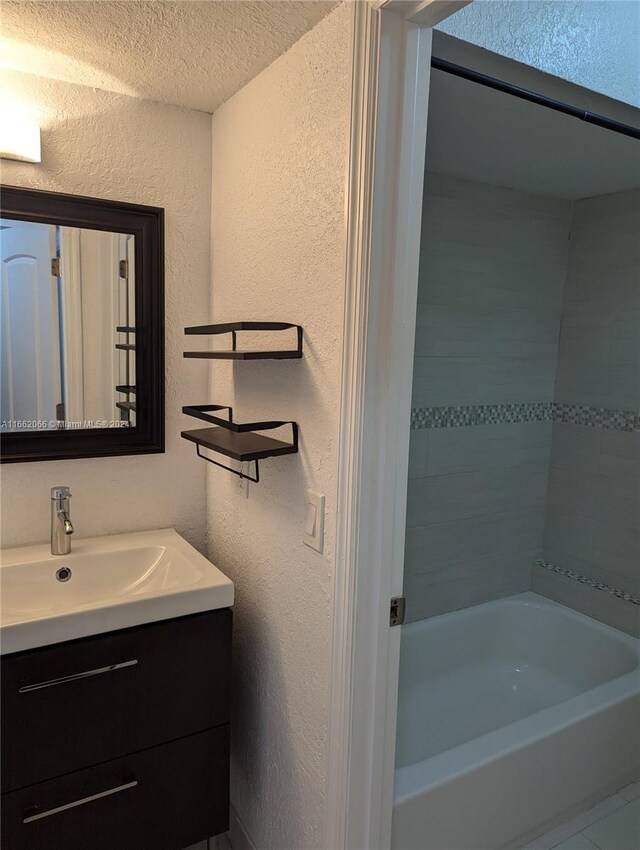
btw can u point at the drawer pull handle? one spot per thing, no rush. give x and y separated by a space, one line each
85 674
80 802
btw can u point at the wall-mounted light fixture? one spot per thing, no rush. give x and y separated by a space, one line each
19 136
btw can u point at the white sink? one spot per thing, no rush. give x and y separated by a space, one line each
115 582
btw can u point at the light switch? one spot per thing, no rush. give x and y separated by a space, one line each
312 513
314 523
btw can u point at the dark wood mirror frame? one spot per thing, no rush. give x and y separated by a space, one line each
147 226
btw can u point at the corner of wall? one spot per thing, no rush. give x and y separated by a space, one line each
280 149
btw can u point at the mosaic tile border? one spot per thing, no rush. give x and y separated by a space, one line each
479 414
459 416
596 417
596 585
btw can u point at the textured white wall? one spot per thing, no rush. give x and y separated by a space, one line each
589 42
112 146
280 151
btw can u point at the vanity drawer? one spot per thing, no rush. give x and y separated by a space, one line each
72 705
165 798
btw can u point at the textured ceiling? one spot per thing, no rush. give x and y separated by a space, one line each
194 53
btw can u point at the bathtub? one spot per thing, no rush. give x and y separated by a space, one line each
511 714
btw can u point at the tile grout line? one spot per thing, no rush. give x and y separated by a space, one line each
567 830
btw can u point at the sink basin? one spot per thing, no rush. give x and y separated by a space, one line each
107 583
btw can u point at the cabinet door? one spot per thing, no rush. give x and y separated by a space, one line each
75 704
165 798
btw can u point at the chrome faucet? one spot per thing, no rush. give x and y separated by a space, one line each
61 528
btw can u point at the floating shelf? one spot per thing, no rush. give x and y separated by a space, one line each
239 446
237 441
233 354
242 355
125 388
126 405
125 346
123 329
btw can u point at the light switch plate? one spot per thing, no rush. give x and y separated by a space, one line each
313 533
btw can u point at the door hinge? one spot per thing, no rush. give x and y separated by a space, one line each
55 266
124 269
396 610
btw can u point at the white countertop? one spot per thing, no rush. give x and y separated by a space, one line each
117 581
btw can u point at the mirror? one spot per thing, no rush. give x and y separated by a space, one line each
81 327
68 332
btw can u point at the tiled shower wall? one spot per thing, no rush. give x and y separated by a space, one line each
593 505
489 382
489 309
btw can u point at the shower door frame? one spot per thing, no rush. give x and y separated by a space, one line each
390 95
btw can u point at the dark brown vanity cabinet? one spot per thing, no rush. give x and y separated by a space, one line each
119 740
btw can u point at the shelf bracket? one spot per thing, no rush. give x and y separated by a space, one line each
255 479
234 328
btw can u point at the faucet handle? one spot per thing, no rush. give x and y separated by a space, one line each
60 492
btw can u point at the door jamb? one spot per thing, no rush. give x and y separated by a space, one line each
390 89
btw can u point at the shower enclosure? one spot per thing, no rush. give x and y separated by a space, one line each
520 664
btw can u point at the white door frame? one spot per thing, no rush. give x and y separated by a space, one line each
72 342
391 70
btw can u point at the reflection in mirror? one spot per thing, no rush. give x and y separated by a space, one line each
67 328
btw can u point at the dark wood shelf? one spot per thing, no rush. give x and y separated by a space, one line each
233 354
240 446
228 327
125 346
237 440
240 441
125 388
245 355
126 405
123 329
